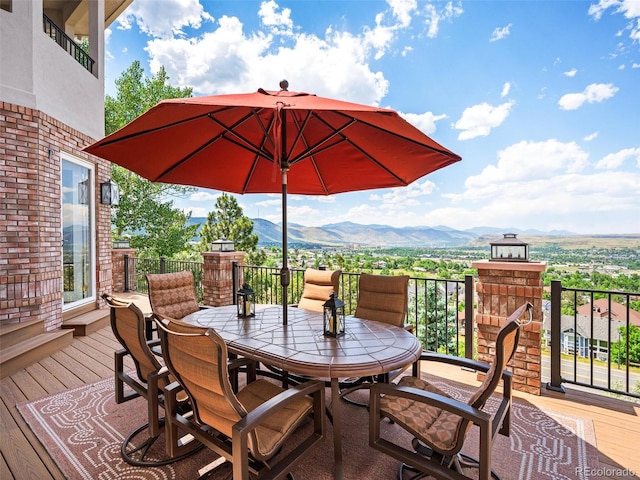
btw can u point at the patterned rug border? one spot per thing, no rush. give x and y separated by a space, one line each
104 461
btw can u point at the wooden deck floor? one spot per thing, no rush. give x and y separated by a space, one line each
88 359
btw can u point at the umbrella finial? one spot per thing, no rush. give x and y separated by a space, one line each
284 85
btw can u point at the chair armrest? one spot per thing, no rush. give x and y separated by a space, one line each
236 363
451 360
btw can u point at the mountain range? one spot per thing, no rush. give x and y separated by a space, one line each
354 234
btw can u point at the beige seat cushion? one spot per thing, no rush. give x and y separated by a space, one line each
318 286
440 428
271 433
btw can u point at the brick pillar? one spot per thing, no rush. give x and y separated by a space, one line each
217 277
502 287
117 265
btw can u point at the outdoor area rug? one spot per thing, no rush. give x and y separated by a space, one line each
83 430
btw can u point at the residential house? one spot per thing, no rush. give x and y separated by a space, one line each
593 328
55 249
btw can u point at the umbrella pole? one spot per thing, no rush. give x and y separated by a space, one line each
285 277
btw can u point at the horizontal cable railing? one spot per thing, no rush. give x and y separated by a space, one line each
597 347
72 48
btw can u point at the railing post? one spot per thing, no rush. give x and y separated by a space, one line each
469 320
234 281
556 315
163 265
126 273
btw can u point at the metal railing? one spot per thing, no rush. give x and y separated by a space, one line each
136 269
593 350
72 48
438 309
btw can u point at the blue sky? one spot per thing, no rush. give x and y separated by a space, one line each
541 99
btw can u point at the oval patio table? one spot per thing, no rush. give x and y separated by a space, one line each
367 348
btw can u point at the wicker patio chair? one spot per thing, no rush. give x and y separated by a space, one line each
128 325
246 428
438 422
318 286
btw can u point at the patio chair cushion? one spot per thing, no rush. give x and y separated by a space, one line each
318 287
382 298
172 294
426 421
272 431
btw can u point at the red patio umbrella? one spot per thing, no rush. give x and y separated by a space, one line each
272 142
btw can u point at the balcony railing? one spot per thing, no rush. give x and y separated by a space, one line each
57 35
442 313
596 349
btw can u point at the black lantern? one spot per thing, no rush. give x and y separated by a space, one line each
109 193
246 302
333 314
509 249
223 245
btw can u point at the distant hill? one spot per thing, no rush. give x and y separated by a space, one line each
348 233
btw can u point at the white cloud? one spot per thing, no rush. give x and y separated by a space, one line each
500 32
615 160
433 16
571 73
478 120
590 137
163 19
197 212
426 122
545 184
629 8
204 196
635 65
271 17
505 89
402 10
594 93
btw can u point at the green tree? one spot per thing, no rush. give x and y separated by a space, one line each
146 212
227 220
619 348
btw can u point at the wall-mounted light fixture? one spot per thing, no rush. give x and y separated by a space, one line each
109 193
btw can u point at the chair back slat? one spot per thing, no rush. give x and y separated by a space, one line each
383 298
172 295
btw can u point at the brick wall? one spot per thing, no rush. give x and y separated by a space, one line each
501 288
31 143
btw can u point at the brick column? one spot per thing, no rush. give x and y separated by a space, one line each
217 277
502 287
117 265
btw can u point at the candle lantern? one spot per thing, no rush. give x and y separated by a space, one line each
246 302
509 249
333 314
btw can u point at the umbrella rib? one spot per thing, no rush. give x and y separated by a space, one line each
301 137
157 129
243 143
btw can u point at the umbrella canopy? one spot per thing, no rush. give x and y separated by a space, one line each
272 142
